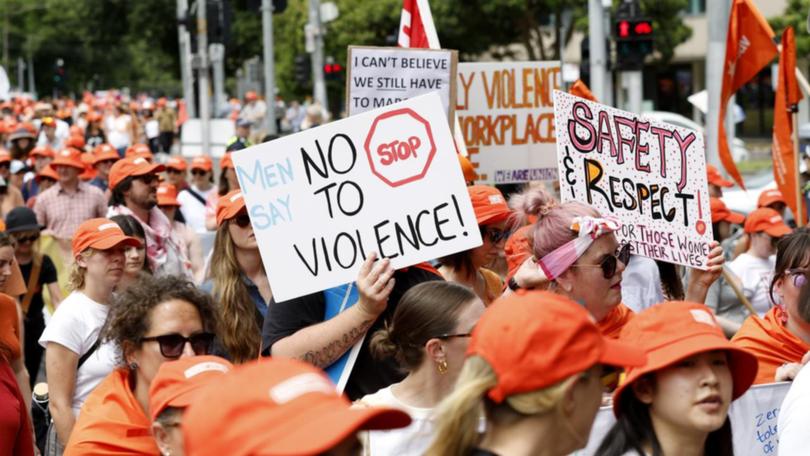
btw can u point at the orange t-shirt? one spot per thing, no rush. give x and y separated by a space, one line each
9 328
112 422
771 342
615 320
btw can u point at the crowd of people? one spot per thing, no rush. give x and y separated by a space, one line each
135 340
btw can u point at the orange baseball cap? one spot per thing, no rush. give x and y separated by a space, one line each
167 195
75 142
715 178
49 121
100 234
771 196
226 162
47 172
277 406
674 330
467 168
517 249
5 156
177 382
488 204
721 213
767 220
251 95
229 205
534 339
69 157
42 151
104 152
139 150
202 162
176 163
131 166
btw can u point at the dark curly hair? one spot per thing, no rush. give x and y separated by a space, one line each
128 319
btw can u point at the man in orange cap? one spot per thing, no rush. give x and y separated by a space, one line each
773 199
133 185
104 155
42 157
70 202
193 200
53 132
176 172
716 182
764 227
249 410
190 242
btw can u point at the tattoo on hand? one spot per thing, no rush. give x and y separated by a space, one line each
333 350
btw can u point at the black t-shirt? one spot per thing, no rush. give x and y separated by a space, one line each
369 374
47 274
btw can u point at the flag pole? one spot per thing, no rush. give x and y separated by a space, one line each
797 158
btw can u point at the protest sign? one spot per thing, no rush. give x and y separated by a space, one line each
505 112
649 174
380 76
753 419
385 181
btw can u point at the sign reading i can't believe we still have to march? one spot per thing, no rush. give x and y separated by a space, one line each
649 174
384 181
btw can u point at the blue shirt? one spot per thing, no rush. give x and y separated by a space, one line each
252 289
97 182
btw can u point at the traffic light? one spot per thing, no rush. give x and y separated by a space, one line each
634 41
333 71
303 69
59 74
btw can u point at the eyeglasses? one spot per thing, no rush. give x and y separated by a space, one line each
495 235
799 276
171 345
242 220
31 238
173 171
450 336
610 262
147 178
198 172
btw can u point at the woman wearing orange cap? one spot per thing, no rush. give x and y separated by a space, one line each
168 203
468 267
236 277
781 339
227 183
194 199
537 365
135 265
75 358
677 403
42 157
427 336
159 320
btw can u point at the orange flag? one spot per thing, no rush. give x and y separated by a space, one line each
787 96
581 90
749 47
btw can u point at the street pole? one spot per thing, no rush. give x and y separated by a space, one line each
597 48
319 84
202 76
269 67
216 54
633 84
717 20
186 75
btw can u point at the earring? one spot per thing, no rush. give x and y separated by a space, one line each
133 366
441 366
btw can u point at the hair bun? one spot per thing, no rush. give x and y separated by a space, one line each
534 201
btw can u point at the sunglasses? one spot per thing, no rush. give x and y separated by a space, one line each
242 220
147 178
198 172
171 345
173 171
799 277
450 336
495 235
31 238
610 262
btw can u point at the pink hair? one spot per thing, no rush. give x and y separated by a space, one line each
553 226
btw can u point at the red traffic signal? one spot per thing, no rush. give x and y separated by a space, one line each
623 29
635 29
643 28
332 68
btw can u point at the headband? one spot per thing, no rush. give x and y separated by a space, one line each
588 229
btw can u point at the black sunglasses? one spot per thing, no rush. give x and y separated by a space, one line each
198 172
171 345
610 262
450 336
173 171
147 178
242 220
495 235
31 238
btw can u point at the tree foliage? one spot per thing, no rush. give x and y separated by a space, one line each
795 15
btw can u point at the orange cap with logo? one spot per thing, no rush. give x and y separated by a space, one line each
131 166
100 234
767 220
229 205
176 163
69 157
202 162
167 195
277 406
672 331
139 150
105 152
770 196
488 204
722 213
77 142
226 162
42 151
535 339
715 178
177 382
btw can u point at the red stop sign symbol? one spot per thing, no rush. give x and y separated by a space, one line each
400 147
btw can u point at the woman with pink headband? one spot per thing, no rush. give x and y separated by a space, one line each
574 248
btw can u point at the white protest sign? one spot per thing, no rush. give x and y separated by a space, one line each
753 419
650 174
506 115
380 76
385 181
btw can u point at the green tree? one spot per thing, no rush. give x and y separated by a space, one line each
795 15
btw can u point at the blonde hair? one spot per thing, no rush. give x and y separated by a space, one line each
76 278
459 413
239 332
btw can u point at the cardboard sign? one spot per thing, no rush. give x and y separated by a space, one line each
753 422
385 181
380 76
649 174
505 112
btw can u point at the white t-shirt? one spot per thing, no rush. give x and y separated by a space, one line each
412 440
76 324
641 284
192 209
151 129
755 276
794 416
